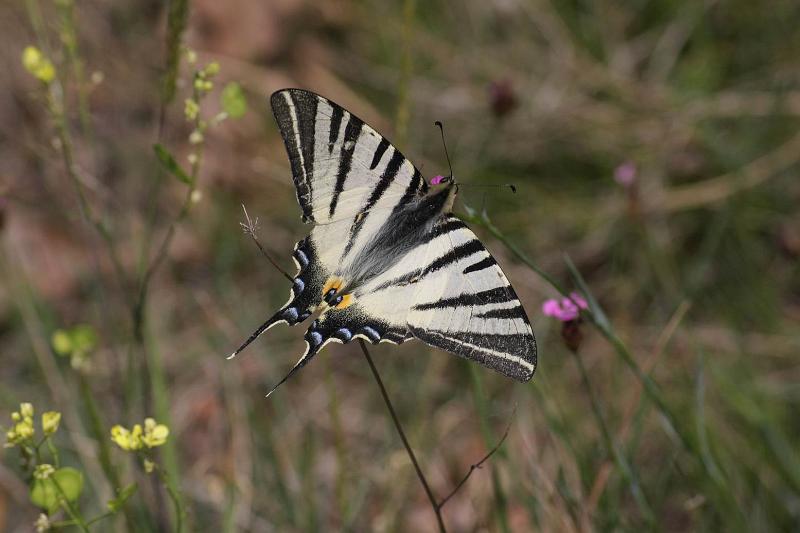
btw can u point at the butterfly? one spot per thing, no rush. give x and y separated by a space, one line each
386 260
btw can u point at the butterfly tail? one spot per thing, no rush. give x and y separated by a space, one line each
289 314
311 350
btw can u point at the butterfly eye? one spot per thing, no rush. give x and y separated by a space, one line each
329 295
338 300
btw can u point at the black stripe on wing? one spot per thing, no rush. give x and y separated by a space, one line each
390 172
306 110
516 357
351 134
508 312
462 251
486 262
448 225
336 123
282 110
496 295
379 151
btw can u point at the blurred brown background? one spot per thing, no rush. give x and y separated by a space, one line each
692 251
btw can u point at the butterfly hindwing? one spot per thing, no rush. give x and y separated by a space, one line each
465 305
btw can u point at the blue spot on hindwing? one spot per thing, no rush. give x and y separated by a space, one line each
371 333
315 338
304 315
302 258
298 286
290 314
344 334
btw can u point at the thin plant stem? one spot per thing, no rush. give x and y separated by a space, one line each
73 513
611 447
478 464
251 228
423 481
175 496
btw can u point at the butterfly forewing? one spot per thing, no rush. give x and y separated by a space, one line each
340 165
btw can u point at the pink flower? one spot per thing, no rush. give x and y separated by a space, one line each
565 310
625 174
436 180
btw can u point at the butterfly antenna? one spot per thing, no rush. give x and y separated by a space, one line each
511 186
441 130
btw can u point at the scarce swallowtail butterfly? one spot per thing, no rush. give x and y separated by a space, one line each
386 260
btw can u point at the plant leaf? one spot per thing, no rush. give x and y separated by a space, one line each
233 101
170 165
124 493
65 482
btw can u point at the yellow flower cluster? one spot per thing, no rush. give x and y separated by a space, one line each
150 436
23 425
38 65
23 428
191 109
43 471
202 79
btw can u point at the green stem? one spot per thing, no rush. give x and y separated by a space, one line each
500 509
175 496
74 514
611 447
100 435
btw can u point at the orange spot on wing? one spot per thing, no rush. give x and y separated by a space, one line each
347 301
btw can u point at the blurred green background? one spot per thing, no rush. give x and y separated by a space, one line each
655 142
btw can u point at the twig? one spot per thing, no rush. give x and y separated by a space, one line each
720 188
436 507
479 463
251 228
625 468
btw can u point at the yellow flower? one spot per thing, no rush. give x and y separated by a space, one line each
50 421
38 65
203 85
154 434
150 436
191 109
43 471
212 69
23 428
61 342
42 523
126 439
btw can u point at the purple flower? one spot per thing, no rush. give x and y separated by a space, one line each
625 174
565 310
436 180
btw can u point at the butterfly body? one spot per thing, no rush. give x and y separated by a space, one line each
386 261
